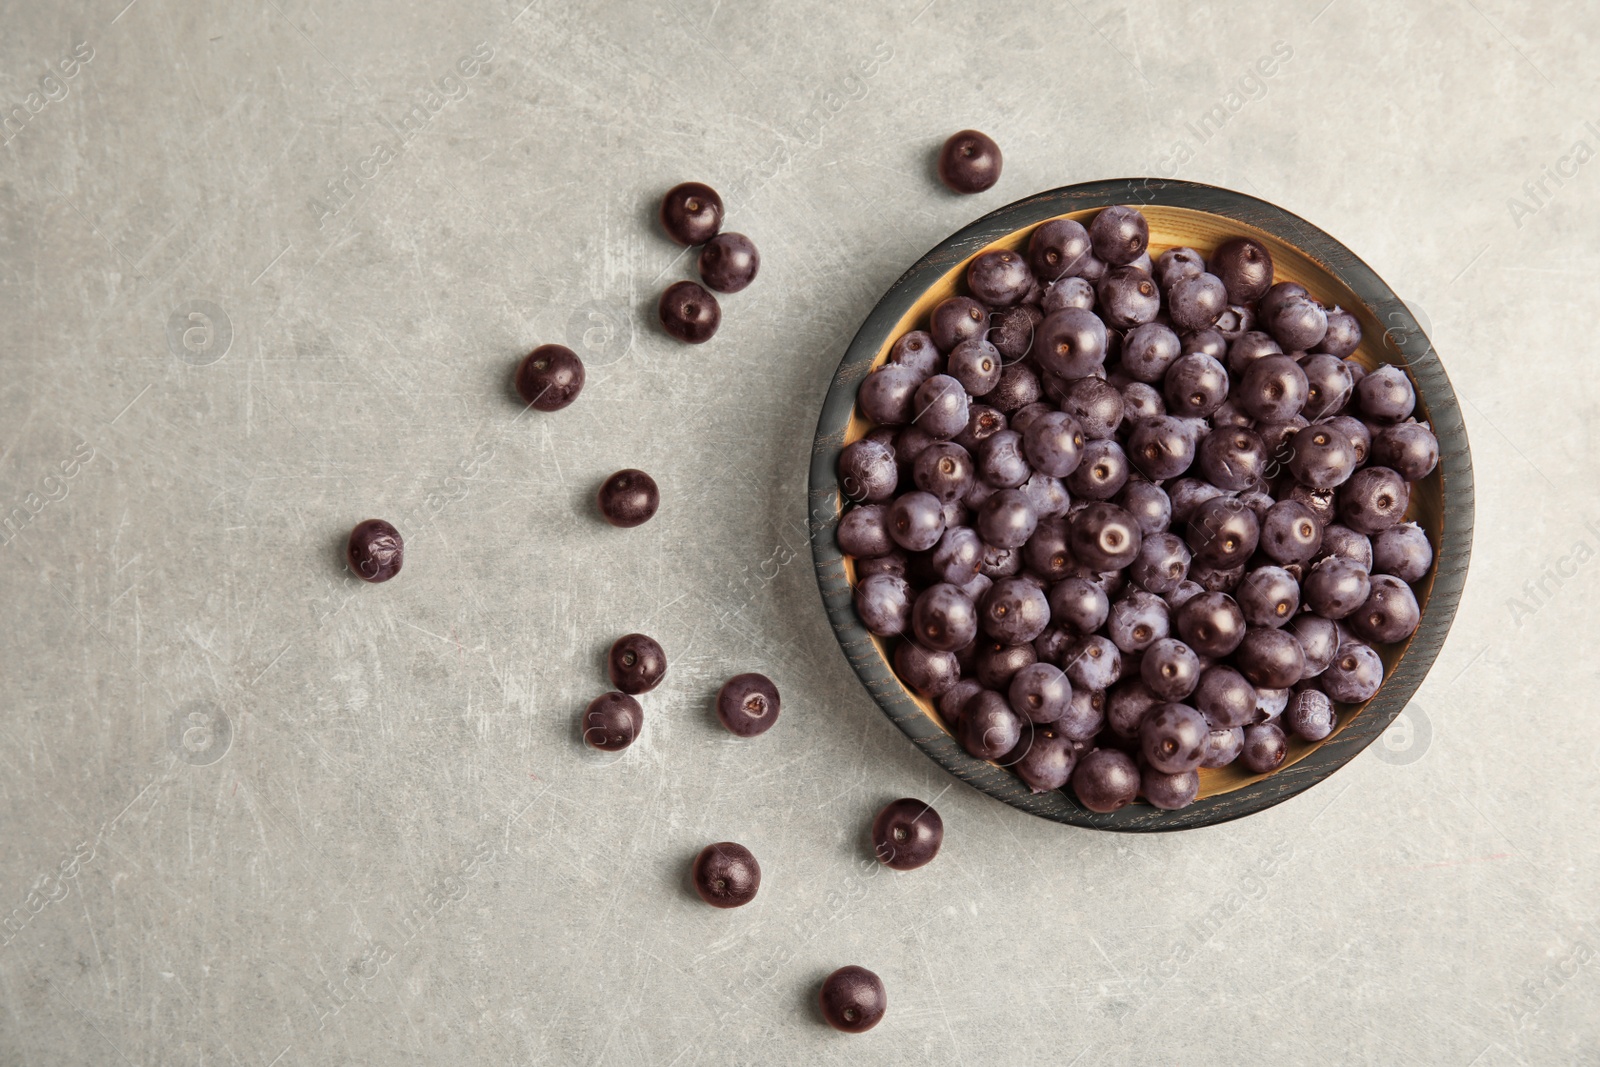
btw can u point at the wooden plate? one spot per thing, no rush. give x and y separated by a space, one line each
1200 216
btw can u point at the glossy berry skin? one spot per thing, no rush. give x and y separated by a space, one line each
1389 613
748 704
1162 563
952 704
1186 495
945 470
1169 792
1073 292
916 521
726 875
1386 396
1079 605
1084 717
1223 747
1354 675
1309 714
1268 596
1040 692
944 618
907 834
1128 297
1409 449
1127 705
1265 748
1225 697
969 162
1104 537
941 407
887 396
550 377
1053 443
928 672
1002 462
1092 663
729 262
375 551
1195 385
1105 780
957 556
1071 343
1138 620
1249 347
636 664
1374 499
1222 532
1206 343
1319 637
1014 611
1358 433
1273 389
691 213
989 728
1245 267
1044 758
1329 386
1142 401
997 663
1270 658
1058 249
867 471
1297 324
864 533
628 498
1232 459
883 604
1336 587
956 319
1343 336
1119 235
1096 404
999 277
1170 668
917 351
1172 738
1340 540
1148 350
1321 457
1149 505
1161 447
612 722
1046 553
689 313
976 364
1101 473
1211 624
1196 303
1176 264
853 998
1403 551
1270 704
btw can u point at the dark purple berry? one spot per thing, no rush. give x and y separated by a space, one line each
1319 638
1128 297
550 377
375 551
747 704
1195 385
689 313
887 396
1119 235
1105 537
969 162
1211 624
907 834
1225 697
1071 343
1047 553
691 213
953 702
1321 457
1105 780
989 728
1014 611
1232 459
1172 738
1138 620
1273 389
1018 388
1309 714
1249 347
1176 264
883 604
917 351
928 672
1101 473
956 319
1264 748
612 722
940 407
1385 396
1270 658
976 364
1161 447
726 875
1162 563
1297 324
1223 532
1040 693
1245 267
1196 303
1409 449
1354 675
1268 596
1343 336
628 498
1096 405
1149 505
864 532
636 664
1079 605
996 663
1374 499
1389 613
1336 587
999 277
1170 668
916 521
1403 551
1005 520
1328 386
1073 292
1092 663
943 618
1045 760
853 998
1223 747
1148 350
729 262
867 471
1058 249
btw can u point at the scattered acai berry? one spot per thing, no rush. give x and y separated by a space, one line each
726 875
636 664
628 498
691 213
853 1000
375 551
907 834
550 377
747 704
689 313
969 162
612 722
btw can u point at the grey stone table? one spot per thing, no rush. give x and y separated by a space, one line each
267 265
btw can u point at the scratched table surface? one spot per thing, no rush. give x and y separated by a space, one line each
265 269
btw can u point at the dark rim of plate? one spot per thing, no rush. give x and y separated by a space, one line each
1404 342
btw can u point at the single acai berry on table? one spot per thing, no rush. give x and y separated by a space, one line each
729 262
550 377
907 834
689 313
726 875
375 551
691 213
628 498
969 162
612 722
853 1000
747 704
636 664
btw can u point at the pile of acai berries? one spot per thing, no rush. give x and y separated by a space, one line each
1132 518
